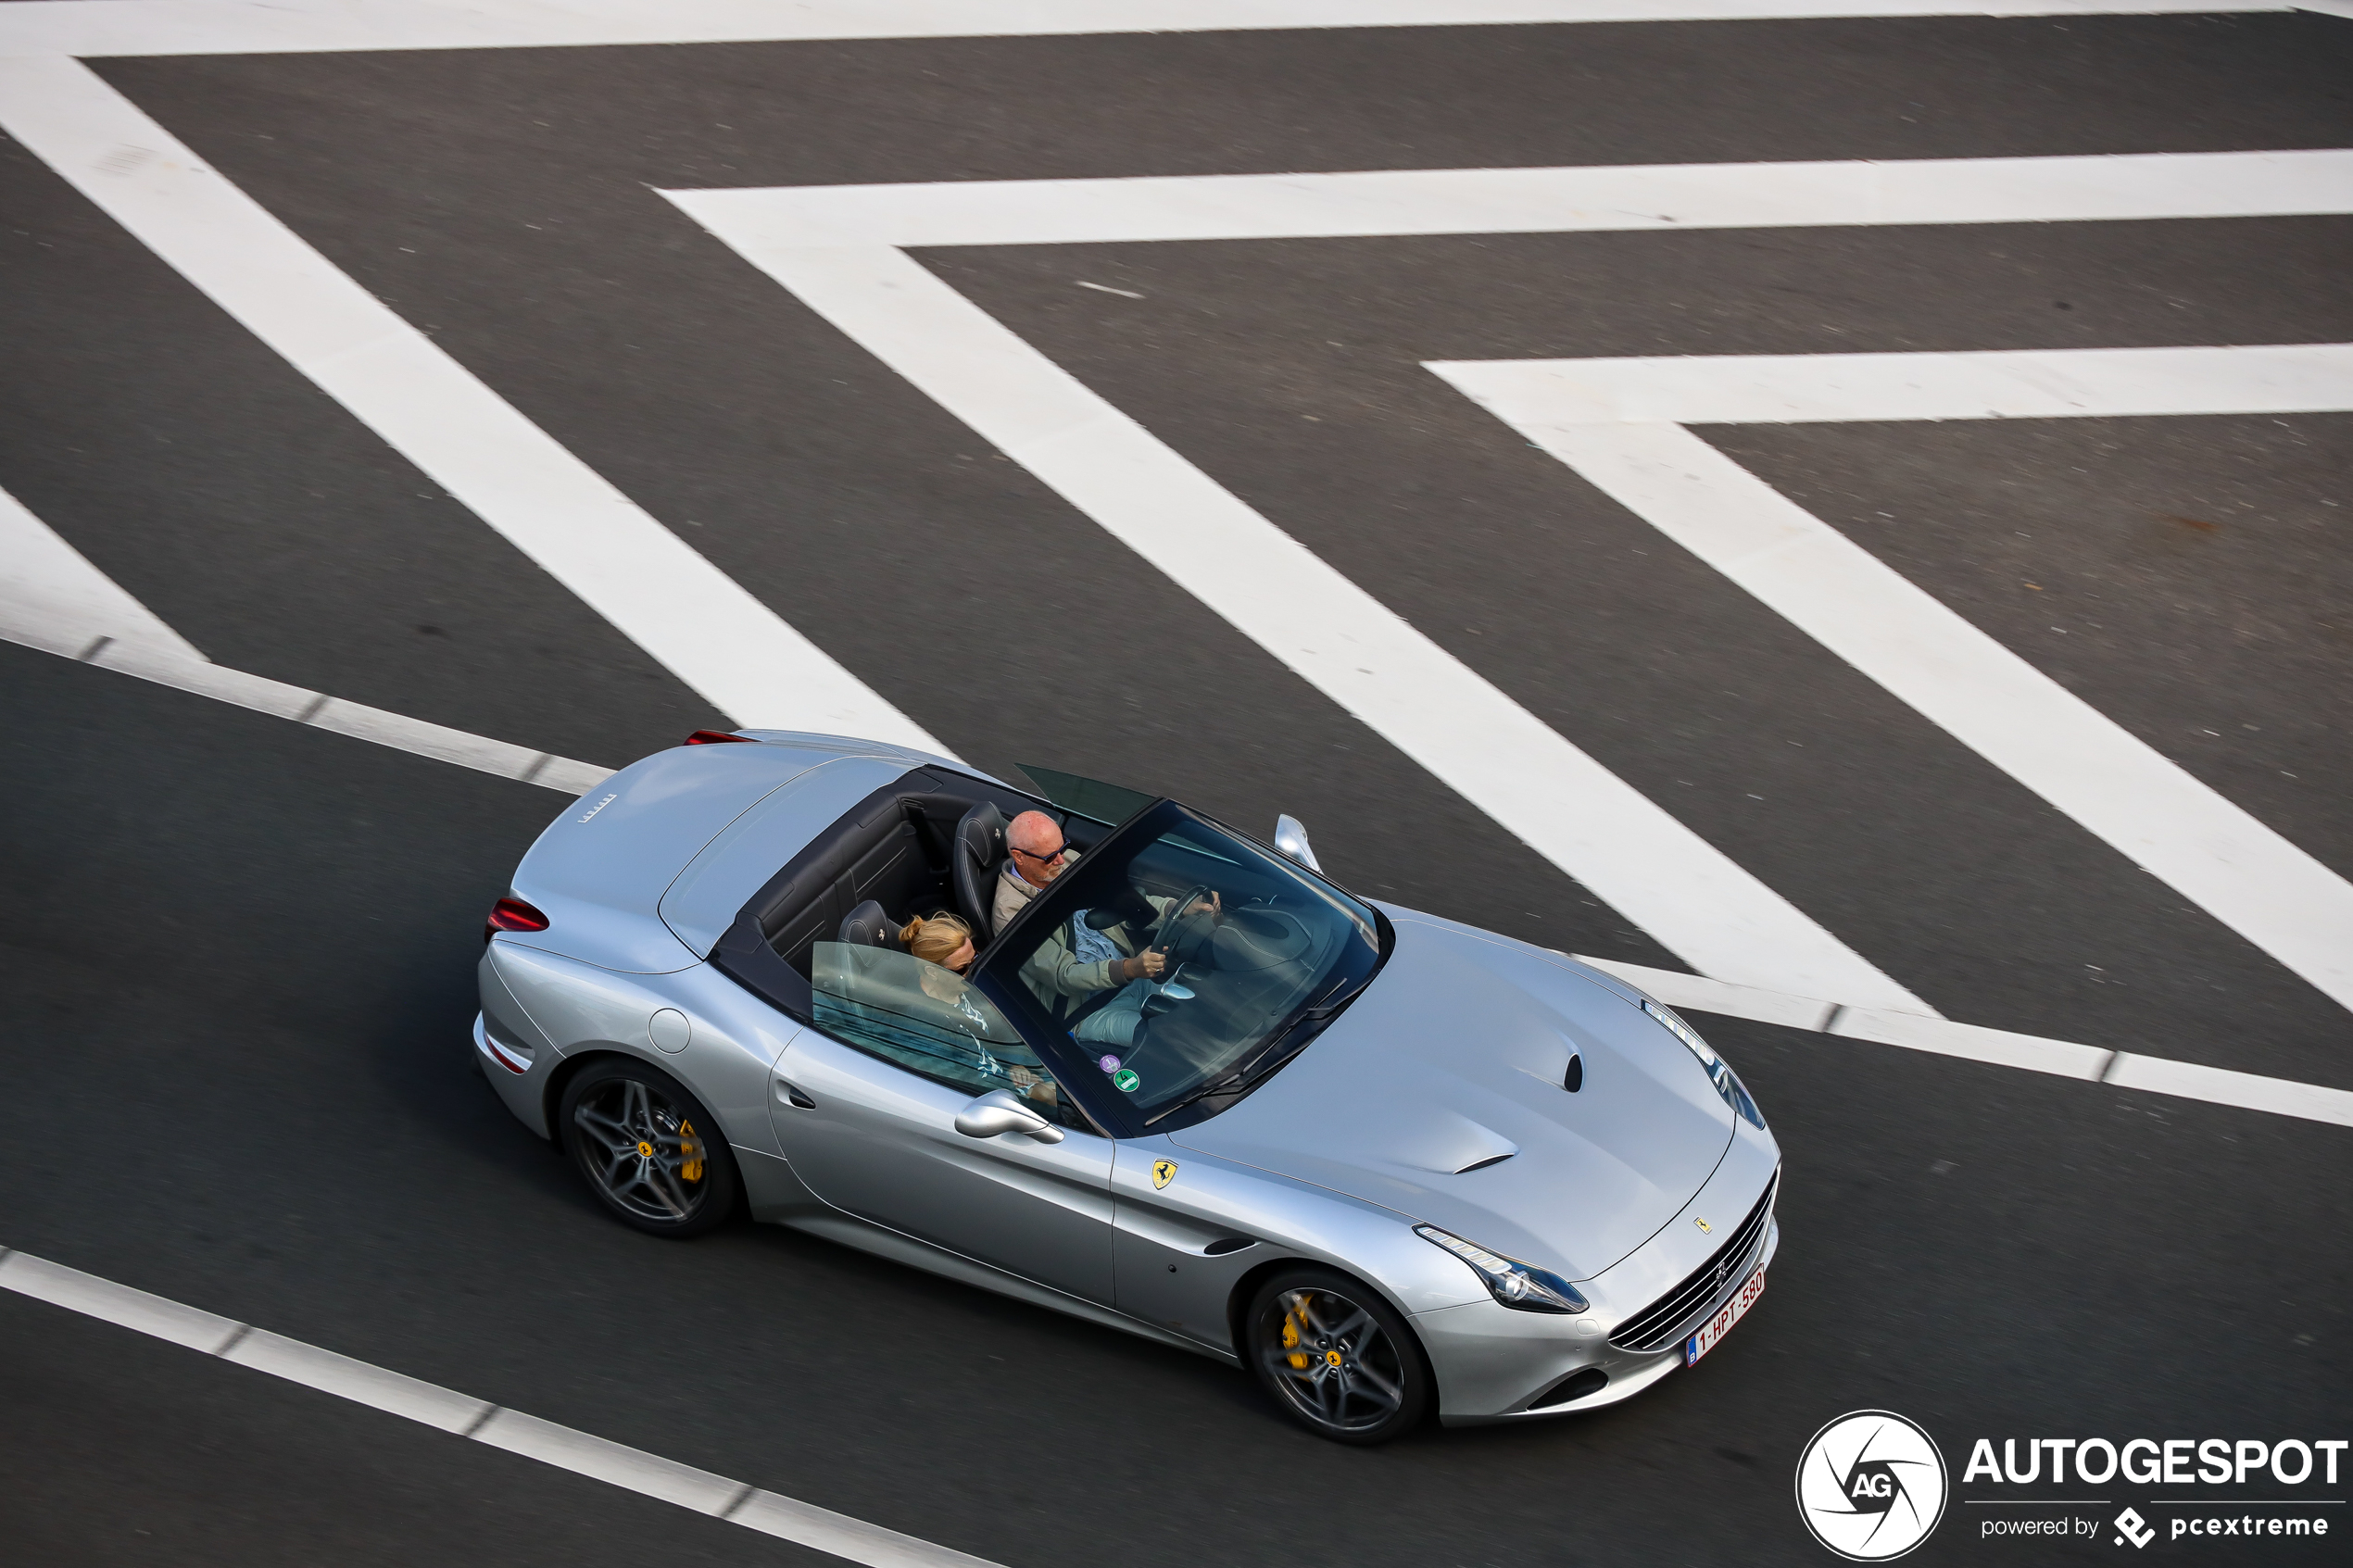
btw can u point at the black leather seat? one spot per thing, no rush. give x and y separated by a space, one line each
868 926
976 860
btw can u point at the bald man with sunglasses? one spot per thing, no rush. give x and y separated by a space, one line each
1075 963
1036 854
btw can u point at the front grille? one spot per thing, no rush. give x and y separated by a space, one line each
1670 1318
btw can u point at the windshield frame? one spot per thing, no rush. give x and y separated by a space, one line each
998 977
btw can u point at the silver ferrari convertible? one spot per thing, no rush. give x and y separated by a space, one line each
1190 1088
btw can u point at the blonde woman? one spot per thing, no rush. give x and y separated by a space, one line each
942 939
945 943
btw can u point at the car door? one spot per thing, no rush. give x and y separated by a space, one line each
866 1107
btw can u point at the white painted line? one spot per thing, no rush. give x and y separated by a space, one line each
1971 1042
43 577
2220 1085
358 1381
246 26
685 612
2107 779
1363 656
1679 990
613 1463
791 1520
118 1304
279 700
2297 378
396 1394
1536 201
427 740
2000 1047
563 775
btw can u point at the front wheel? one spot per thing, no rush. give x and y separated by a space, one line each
654 1156
1337 1358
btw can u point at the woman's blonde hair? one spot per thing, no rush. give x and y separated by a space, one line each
935 938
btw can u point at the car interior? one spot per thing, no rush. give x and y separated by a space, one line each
933 840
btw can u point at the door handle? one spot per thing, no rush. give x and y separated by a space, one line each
790 1093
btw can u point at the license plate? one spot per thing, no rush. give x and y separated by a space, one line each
1730 1312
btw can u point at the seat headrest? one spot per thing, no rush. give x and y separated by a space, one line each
981 835
974 860
869 926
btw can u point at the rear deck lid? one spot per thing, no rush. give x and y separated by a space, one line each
739 859
598 870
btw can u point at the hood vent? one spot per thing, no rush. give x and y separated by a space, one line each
1574 1079
1483 1164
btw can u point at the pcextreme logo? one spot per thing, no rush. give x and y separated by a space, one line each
1871 1486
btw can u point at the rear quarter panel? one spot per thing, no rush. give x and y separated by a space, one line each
580 1009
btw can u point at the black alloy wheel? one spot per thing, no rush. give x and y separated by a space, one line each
1337 1356
654 1156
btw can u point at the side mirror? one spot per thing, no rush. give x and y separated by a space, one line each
1000 1111
1291 839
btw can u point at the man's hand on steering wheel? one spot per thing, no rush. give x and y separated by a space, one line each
1146 965
1188 921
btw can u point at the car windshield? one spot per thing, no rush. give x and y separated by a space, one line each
1177 956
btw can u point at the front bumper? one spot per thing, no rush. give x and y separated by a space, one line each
1492 1362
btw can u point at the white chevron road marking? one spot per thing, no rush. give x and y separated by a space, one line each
1620 423
43 578
842 251
672 602
1616 198
1363 656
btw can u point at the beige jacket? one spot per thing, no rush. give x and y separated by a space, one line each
1013 894
1052 970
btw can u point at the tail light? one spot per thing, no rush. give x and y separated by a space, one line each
711 737
512 914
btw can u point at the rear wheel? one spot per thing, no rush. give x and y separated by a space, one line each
1337 1356
646 1148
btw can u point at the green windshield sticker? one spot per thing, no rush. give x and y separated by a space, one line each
1125 1081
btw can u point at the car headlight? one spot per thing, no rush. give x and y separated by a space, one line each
1718 1071
1515 1283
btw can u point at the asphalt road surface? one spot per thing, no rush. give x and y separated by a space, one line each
238 953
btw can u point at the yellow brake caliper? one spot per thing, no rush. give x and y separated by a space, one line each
1291 1341
692 1170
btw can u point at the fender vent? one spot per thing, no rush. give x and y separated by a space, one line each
1227 1243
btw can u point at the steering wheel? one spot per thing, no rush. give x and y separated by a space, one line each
1184 933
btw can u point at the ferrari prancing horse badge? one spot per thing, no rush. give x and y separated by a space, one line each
1164 1173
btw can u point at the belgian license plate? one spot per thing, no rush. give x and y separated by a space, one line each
1732 1312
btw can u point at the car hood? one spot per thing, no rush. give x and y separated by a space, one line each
1455 1055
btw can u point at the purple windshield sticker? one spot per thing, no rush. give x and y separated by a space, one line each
1108 1063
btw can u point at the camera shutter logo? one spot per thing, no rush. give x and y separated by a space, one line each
1871 1486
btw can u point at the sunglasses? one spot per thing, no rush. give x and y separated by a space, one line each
1054 854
